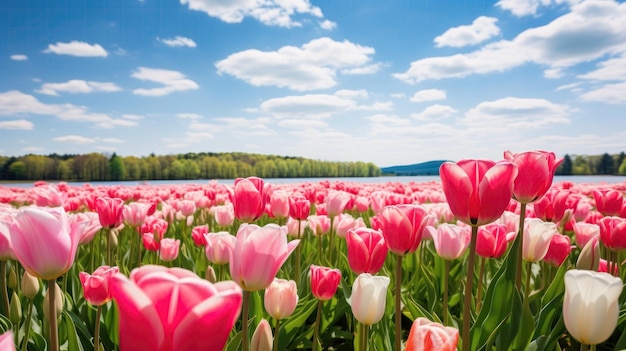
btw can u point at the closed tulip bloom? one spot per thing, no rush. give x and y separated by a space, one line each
6 251
168 309
608 201
558 250
198 233
150 242
478 191
324 282
279 204
187 207
591 306
299 207
96 285
169 249
589 257
262 337
44 242
224 215
450 240
535 173
431 336
219 246
336 202
537 237
248 200
281 298
367 250
369 298
135 213
492 240
92 225
583 232
552 206
258 254
110 211
613 232
319 224
403 227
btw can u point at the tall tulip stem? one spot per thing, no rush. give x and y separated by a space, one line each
316 329
3 287
276 330
96 330
298 253
109 259
467 298
481 277
528 274
445 292
584 347
29 315
245 310
520 238
364 337
398 314
52 316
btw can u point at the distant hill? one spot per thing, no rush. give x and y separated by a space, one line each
418 169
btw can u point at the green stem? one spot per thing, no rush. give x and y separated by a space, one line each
445 292
109 260
245 310
520 238
467 298
364 336
29 315
298 253
319 249
3 288
528 274
52 314
332 242
96 330
316 330
276 330
481 277
398 313
584 347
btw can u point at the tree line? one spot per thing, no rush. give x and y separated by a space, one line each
604 164
103 167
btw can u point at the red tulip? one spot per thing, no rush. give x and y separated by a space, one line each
96 286
248 199
299 207
535 173
367 250
403 227
613 232
430 336
165 309
197 235
558 250
478 191
492 240
110 211
324 282
552 206
608 202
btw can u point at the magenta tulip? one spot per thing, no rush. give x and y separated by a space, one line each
96 286
492 240
367 250
165 309
403 227
258 254
608 201
110 211
535 173
248 202
613 232
299 207
558 250
324 282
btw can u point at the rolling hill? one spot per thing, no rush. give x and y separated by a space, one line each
424 168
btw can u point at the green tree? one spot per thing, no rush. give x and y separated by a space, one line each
116 165
581 166
566 167
18 169
622 168
619 160
606 164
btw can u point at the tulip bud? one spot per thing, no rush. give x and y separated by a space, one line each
30 285
12 281
262 337
58 302
210 274
589 258
15 309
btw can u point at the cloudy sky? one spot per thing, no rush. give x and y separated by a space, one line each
390 82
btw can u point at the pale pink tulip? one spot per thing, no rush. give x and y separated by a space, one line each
584 232
279 204
336 202
135 213
537 237
219 246
224 215
281 298
6 341
430 336
168 250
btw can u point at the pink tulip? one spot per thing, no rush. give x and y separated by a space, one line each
198 233
6 341
218 247
258 254
44 242
430 336
262 337
613 233
299 207
135 213
187 207
583 232
367 250
92 225
293 225
362 204
319 224
50 196
492 240
110 211
450 240
552 206
168 250
248 199
336 202
345 222
279 204
281 298
608 202
96 286
478 191
165 309
558 250
535 173
154 225
224 215
324 282
150 242
6 250
403 226
537 237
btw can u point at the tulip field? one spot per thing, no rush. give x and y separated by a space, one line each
494 256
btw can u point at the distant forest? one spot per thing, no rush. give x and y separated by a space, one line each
205 165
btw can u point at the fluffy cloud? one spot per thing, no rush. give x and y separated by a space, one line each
269 12
178 42
591 30
428 95
76 86
516 113
314 65
74 139
19 124
77 48
611 93
612 69
328 25
172 81
192 116
483 28
529 7
19 57
434 112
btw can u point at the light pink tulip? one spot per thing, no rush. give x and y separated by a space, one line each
537 237
44 242
450 240
169 249
258 254
135 213
279 204
262 337
319 224
430 336
224 215
219 246
584 232
281 298
6 341
336 202
165 309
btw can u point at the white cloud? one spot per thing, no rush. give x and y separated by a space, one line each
77 48
33 149
522 8
19 57
192 116
74 139
314 65
434 112
328 25
76 86
269 12
19 124
392 120
195 137
612 69
483 28
109 124
428 95
514 113
352 94
172 81
369 69
610 93
133 117
178 42
302 123
591 30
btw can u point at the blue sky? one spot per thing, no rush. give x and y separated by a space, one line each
389 82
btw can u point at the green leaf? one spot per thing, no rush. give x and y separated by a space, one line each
72 337
294 324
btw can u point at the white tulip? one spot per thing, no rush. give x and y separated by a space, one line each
369 297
